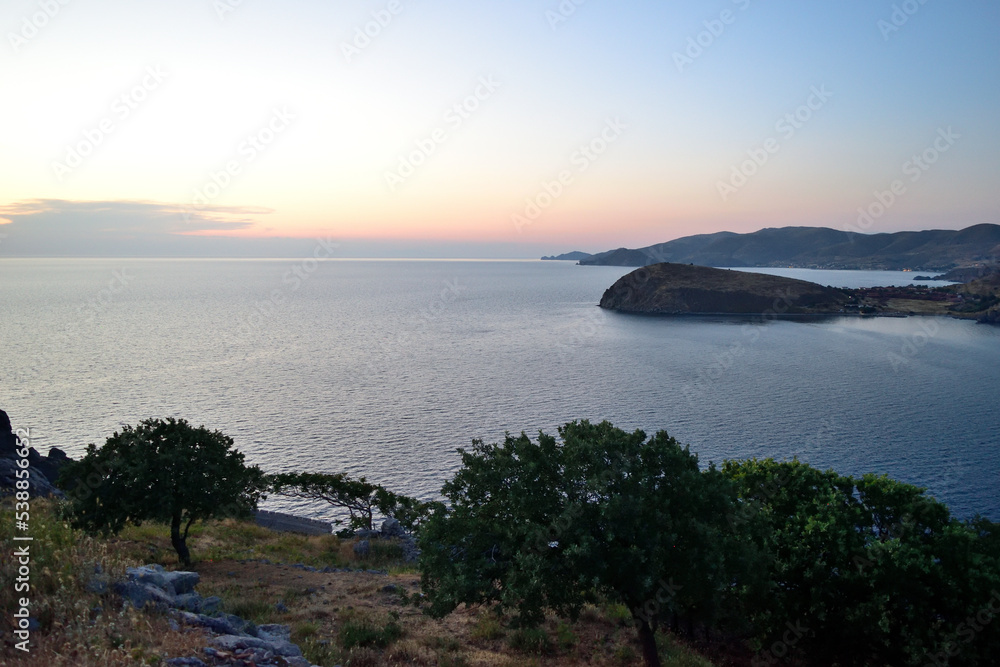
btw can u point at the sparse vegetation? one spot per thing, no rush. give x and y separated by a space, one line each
73 632
360 630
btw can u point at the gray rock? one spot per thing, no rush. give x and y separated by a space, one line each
38 484
173 583
410 550
238 643
182 581
188 602
139 595
392 528
366 534
224 624
52 464
273 631
185 662
210 605
362 548
151 574
8 441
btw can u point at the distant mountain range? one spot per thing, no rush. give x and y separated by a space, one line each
820 248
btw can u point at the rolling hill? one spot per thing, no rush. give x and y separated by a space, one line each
819 248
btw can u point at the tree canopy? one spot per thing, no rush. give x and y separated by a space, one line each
163 471
879 572
793 560
554 524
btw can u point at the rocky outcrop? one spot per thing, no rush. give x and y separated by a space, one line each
991 316
235 641
42 470
8 441
672 289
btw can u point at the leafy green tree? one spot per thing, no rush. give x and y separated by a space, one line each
161 471
359 497
602 514
877 571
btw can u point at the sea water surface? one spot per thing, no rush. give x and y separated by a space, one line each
384 368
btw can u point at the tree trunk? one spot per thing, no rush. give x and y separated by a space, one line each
180 543
647 639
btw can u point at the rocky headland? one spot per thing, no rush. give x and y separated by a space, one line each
684 289
676 289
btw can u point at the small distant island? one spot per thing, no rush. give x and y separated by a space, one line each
679 289
575 256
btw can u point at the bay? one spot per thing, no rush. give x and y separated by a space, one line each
383 368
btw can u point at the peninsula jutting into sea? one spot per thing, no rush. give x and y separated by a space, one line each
675 289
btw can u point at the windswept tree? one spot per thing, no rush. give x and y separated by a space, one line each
163 471
551 525
359 497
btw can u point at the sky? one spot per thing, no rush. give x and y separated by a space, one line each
487 129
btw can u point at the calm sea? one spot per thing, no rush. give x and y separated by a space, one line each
384 368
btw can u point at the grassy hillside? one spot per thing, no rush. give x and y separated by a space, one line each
352 618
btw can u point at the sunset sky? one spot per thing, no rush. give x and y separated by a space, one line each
463 127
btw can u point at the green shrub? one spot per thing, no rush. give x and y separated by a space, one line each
487 627
530 640
367 633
